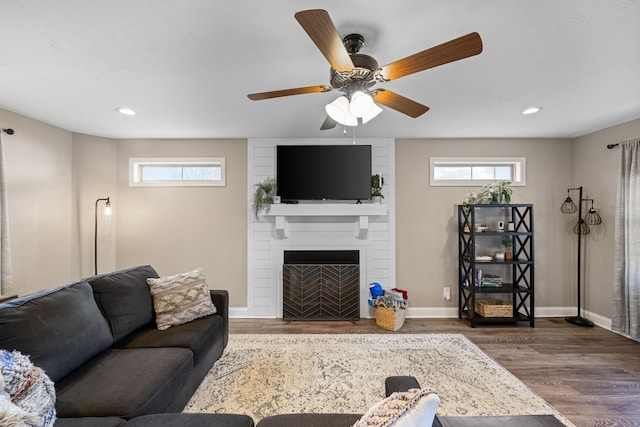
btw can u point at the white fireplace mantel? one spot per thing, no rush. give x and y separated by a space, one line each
359 212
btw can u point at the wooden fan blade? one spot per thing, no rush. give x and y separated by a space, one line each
328 123
400 103
320 28
288 92
453 50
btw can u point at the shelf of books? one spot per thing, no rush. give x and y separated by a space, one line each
496 263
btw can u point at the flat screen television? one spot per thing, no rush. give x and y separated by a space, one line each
323 172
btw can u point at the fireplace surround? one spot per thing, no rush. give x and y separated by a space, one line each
367 228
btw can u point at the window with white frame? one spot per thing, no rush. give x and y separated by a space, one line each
476 171
177 172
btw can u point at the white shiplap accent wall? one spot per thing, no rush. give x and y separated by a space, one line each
265 248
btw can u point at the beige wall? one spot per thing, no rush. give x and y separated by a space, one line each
38 161
55 176
596 169
176 229
426 223
94 171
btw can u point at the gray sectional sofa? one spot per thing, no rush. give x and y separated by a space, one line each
97 341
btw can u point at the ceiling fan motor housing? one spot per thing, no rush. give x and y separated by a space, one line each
361 77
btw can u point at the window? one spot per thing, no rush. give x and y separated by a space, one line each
176 172
476 171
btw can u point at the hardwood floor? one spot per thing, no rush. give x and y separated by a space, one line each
590 375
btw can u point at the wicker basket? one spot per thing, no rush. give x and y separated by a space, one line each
492 307
390 319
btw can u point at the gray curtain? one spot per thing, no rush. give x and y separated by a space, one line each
626 282
6 277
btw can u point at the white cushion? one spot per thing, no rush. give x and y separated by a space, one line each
413 408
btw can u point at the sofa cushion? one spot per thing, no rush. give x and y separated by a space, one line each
125 383
124 299
59 329
192 420
90 422
309 420
26 390
199 336
180 298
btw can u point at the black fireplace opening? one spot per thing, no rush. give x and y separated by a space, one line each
321 285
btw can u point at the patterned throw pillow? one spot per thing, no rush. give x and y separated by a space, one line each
413 408
180 298
27 395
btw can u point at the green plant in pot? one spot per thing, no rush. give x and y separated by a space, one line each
263 196
497 192
377 181
507 242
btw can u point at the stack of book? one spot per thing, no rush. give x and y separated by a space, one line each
490 281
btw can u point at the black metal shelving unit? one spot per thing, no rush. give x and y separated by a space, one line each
476 245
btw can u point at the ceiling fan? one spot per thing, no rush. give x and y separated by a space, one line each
356 74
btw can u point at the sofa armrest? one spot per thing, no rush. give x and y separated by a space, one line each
399 383
220 299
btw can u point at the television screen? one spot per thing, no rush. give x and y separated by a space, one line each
323 172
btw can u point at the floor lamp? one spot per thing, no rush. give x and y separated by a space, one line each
107 215
581 228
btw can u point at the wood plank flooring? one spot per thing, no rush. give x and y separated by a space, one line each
590 375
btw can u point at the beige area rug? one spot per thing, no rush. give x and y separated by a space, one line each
261 375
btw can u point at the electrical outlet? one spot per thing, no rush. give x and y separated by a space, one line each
447 293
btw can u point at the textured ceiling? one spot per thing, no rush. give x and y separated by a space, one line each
185 66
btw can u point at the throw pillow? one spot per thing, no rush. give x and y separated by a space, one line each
180 298
413 408
27 395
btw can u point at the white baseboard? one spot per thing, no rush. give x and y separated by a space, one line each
452 312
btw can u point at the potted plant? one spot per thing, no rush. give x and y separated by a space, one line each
263 196
377 181
497 192
507 242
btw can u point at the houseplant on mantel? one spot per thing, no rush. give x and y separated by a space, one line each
264 194
377 181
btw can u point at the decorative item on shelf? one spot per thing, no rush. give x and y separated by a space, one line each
377 181
493 193
497 192
264 195
493 307
581 228
507 242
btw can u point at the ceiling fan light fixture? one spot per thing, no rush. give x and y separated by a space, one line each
373 112
361 103
338 110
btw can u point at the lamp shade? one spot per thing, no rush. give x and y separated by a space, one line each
568 206
361 104
373 112
338 110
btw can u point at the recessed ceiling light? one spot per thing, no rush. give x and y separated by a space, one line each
126 111
532 110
